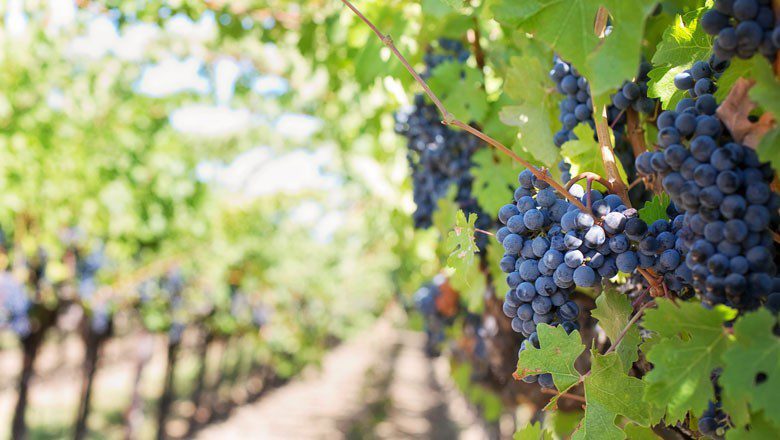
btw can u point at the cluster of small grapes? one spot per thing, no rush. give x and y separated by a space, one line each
723 191
15 306
714 422
634 93
577 106
435 323
699 82
438 156
742 28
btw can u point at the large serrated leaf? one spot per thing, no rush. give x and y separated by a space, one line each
751 371
494 177
691 342
684 42
556 355
613 311
460 88
610 392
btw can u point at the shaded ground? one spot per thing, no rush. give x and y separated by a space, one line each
379 385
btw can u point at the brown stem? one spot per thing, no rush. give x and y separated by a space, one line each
608 157
482 231
590 176
628 326
565 395
449 119
636 134
636 182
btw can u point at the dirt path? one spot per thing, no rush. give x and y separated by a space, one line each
379 385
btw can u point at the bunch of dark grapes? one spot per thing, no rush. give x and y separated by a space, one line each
438 156
742 28
633 94
576 107
551 247
699 80
565 169
729 209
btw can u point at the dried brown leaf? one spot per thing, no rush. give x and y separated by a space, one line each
734 113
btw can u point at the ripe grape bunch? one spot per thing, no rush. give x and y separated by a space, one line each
633 94
742 28
438 156
728 207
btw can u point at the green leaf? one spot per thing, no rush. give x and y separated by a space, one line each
684 42
766 91
613 311
584 154
617 58
565 25
460 88
690 345
528 83
769 148
661 85
610 392
468 279
563 423
759 429
638 432
556 355
751 374
655 209
533 431
494 176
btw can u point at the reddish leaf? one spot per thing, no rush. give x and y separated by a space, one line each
734 113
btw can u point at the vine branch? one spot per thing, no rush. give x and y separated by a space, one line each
449 119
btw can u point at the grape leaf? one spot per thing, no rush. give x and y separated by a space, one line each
584 154
494 176
617 59
759 429
556 355
769 148
752 385
467 278
683 42
690 345
565 25
613 311
661 85
655 209
638 432
460 89
533 431
528 83
766 91
563 423
610 392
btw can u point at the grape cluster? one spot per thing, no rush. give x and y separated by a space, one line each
438 156
699 81
633 94
723 191
577 106
14 306
551 247
742 28
565 169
